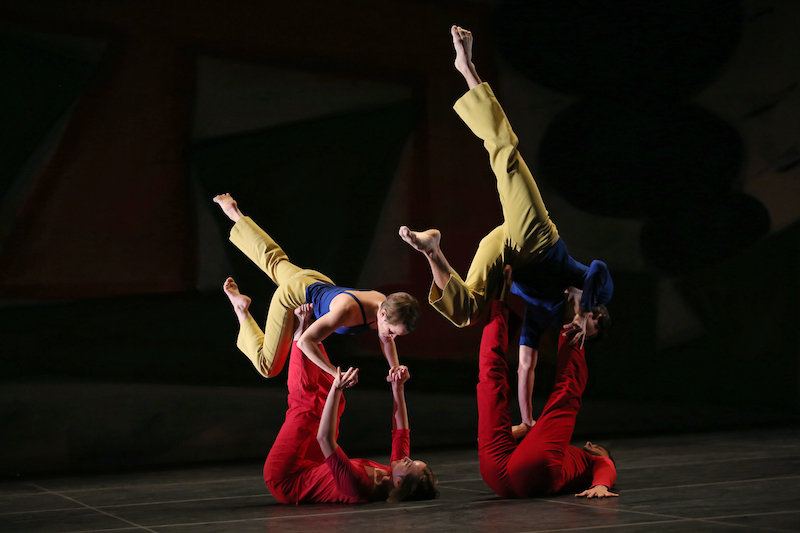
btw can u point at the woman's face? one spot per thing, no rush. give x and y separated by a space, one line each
406 466
387 330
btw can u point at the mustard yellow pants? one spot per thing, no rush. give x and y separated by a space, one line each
268 350
527 232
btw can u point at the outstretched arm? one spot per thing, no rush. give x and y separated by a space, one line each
400 448
400 413
604 475
326 434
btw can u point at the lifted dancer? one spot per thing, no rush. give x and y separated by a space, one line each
543 462
338 309
527 240
306 465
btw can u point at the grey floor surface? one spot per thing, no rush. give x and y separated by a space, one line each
709 482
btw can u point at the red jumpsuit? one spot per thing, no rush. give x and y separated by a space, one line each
543 462
295 470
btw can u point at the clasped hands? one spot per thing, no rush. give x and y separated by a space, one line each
397 376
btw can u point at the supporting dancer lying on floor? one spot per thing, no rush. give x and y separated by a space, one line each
527 240
338 309
543 462
306 465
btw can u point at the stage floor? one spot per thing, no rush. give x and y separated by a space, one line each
710 482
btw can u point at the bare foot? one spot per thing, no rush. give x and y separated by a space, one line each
462 43
240 302
521 430
426 242
507 283
305 316
229 206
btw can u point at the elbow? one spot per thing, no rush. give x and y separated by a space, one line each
322 438
326 444
304 344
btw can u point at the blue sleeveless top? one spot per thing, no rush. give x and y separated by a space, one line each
542 286
322 294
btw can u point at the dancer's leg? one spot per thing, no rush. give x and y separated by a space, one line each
458 300
527 222
251 339
302 391
495 442
536 465
429 244
268 350
462 43
527 232
296 441
255 243
276 341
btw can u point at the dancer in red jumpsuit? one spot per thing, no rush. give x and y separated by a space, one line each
306 465
543 462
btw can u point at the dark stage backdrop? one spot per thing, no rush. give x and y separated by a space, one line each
316 187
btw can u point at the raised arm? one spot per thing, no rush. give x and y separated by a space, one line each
399 411
326 434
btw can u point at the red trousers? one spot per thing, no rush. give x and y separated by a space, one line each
295 456
541 463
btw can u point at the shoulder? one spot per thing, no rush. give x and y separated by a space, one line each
371 296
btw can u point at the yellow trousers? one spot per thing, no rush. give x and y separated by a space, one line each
527 232
268 350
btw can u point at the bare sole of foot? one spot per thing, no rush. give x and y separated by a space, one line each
426 242
240 302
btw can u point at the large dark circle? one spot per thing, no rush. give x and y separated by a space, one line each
701 232
610 159
632 48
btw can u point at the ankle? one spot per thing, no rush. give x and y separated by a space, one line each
465 68
241 314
